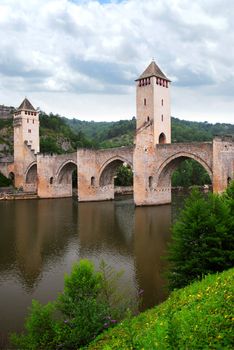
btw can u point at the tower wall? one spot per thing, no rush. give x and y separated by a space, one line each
162 110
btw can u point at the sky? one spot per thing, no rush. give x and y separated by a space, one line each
80 58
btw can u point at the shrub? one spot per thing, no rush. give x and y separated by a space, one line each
84 309
202 239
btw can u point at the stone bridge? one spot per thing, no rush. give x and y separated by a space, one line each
153 157
50 176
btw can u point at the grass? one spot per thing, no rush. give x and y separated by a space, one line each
196 317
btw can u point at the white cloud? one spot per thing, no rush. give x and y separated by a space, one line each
86 51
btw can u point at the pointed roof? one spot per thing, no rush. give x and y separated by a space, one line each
26 105
153 70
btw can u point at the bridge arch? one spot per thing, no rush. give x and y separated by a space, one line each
109 168
31 174
64 173
171 163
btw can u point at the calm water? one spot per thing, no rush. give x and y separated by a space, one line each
41 239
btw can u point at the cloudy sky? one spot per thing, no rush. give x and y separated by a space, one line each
80 58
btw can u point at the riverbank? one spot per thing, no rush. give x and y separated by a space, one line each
196 317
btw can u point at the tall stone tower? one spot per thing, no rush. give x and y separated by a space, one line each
153 114
26 140
153 103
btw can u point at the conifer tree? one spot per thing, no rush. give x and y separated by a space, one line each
202 239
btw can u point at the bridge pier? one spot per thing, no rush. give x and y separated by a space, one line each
223 162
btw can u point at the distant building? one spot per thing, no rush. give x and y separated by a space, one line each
6 112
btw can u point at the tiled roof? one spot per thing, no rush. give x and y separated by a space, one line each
153 71
26 105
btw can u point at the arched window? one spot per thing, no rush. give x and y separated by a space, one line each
150 181
162 138
92 181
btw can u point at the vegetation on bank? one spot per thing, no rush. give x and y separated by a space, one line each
202 238
196 317
89 304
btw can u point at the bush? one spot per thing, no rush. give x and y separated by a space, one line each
84 309
202 239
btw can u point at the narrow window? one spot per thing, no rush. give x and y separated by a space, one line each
29 130
162 117
33 121
51 180
150 181
27 120
144 101
162 101
148 119
92 181
26 112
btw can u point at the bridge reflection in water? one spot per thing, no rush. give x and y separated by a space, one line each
41 239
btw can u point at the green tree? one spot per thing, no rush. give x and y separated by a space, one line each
202 239
124 176
190 173
85 308
4 181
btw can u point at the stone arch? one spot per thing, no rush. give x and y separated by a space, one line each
11 176
109 168
31 174
64 174
170 164
162 138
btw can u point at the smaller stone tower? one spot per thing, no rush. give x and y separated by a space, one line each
26 141
26 127
153 103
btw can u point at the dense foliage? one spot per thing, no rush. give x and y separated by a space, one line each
57 137
190 173
202 238
4 181
124 176
196 317
89 304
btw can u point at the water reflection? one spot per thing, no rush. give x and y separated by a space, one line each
152 232
40 240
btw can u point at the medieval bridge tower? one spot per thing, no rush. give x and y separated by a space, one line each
155 157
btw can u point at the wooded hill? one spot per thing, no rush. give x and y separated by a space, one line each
63 135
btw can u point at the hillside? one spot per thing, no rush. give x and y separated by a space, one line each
63 135
196 317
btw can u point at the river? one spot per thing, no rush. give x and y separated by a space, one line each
41 239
